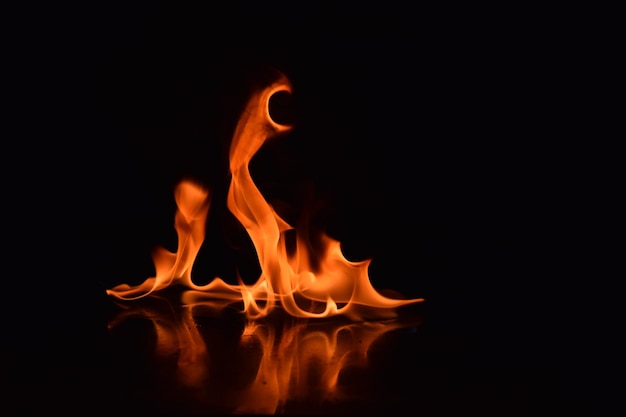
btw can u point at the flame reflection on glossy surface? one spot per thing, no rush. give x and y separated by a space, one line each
212 358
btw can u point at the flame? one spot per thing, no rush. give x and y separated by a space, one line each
303 282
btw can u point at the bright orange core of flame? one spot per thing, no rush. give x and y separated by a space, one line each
335 286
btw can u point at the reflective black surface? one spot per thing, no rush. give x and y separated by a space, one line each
205 361
158 358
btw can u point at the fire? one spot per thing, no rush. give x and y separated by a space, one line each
304 282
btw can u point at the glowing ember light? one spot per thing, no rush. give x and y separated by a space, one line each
305 282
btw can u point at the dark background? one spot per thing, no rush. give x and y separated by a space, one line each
449 146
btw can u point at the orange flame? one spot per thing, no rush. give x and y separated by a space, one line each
335 286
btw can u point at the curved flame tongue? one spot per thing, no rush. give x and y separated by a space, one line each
335 286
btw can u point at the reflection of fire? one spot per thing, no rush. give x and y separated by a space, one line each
265 367
314 280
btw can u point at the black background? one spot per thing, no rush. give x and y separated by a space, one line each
449 147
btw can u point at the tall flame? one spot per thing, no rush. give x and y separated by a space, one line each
289 279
